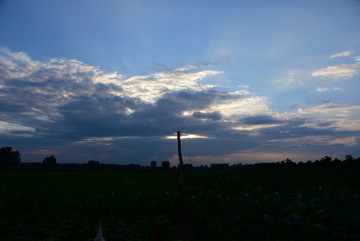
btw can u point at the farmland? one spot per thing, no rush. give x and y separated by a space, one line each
148 205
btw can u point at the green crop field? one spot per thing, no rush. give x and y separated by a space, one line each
252 205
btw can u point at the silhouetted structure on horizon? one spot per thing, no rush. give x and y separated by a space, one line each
11 159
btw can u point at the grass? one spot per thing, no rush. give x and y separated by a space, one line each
254 205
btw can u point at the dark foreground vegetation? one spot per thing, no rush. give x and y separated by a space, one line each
148 205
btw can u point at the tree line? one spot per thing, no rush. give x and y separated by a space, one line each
10 158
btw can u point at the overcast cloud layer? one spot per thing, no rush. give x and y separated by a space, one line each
79 112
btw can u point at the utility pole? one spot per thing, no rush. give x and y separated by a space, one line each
181 163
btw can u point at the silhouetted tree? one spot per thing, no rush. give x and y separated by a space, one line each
188 166
219 166
153 164
337 161
9 157
165 165
352 162
49 162
93 164
349 158
326 160
288 161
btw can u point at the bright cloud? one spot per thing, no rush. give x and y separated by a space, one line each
337 109
255 127
152 87
8 127
324 89
233 109
337 117
319 140
347 141
339 71
342 54
336 124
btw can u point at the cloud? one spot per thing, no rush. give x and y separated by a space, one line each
336 124
151 87
69 90
255 127
105 139
81 112
43 152
324 89
235 107
284 82
294 77
211 115
15 65
244 86
260 120
342 54
348 141
15 129
337 109
339 71
337 117
321 140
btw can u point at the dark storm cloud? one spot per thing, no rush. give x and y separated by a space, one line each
260 119
215 116
164 116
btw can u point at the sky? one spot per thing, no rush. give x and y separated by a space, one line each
244 81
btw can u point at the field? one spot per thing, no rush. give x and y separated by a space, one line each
143 205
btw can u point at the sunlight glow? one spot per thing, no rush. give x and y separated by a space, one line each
254 127
186 136
102 139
